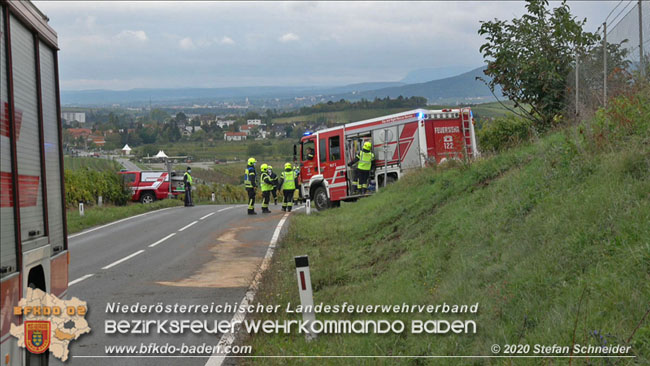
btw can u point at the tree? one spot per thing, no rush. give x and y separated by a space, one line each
531 58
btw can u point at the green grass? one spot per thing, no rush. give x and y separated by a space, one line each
550 238
102 215
83 163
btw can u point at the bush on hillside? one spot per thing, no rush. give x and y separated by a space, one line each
504 132
86 185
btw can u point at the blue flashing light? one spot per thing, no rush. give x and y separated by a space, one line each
420 115
307 133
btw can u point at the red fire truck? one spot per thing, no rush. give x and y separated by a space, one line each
401 142
33 239
149 186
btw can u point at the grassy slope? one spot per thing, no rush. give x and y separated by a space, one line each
524 233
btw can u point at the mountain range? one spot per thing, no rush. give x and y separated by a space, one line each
461 88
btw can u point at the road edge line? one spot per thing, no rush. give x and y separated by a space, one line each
228 339
123 259
117 222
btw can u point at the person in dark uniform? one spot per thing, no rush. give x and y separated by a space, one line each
250 184
274 181
187 182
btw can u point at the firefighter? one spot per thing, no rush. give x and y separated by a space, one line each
288 183
310 153
251 185
274 180
365 160
296 170
267 186
187 183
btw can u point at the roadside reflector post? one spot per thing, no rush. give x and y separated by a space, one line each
100 201
212 197
81 209
308 206
306 295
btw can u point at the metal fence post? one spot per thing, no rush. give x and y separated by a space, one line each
605 64
641 60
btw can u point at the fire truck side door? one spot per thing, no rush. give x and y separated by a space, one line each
309 166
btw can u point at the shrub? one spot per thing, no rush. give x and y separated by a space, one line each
87 185
504 132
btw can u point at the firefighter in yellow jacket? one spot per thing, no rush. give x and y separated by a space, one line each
288 182
251 185
267 186
366 162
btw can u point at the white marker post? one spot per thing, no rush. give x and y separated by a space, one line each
81 209
306 295
308 206
100 201
212 196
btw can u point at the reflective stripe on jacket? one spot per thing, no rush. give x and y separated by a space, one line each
249 177
288 178
365 160
266 182
188 178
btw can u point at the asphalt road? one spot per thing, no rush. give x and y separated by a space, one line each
199 255
128 165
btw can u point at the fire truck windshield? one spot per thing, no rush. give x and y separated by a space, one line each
308 148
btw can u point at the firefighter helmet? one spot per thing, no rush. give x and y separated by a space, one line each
252 161
367 145
264 167
269 167
287 166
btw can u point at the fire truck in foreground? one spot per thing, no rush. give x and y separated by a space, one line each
33 239
401 142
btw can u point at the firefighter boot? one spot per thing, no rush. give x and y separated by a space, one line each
252 212
289 208
265 210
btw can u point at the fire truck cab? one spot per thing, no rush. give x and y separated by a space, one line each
401 142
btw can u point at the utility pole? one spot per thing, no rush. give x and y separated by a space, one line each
605 64
577 82
641 56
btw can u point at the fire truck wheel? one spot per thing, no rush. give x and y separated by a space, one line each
147 197
320 199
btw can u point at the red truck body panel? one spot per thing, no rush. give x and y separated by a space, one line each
141 182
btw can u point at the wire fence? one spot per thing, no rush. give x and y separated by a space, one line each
617 63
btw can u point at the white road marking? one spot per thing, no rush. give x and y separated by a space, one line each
123 259
161 240
227 208
206 216
116 222
227 339
301 207
80 279
188 225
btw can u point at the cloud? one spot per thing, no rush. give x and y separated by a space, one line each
137 35
226 40
187 43
289 37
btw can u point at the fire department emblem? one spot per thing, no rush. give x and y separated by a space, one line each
37 335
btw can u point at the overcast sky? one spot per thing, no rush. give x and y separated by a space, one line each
124 45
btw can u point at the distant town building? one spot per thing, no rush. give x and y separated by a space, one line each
255 122
74 117
246 128
207 120
196 129
79 132
225 123
235 136
97 140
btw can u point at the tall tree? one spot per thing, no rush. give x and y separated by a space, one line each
532 56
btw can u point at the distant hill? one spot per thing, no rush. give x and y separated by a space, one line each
432 73
461 88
